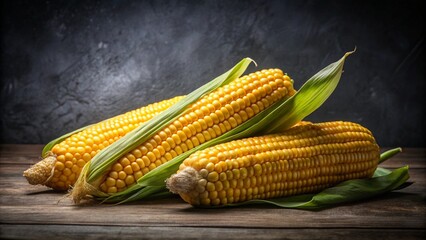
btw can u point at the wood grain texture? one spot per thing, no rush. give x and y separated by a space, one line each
41 212
187 233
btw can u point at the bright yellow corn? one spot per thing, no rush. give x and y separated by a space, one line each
209 117
62 167
304 159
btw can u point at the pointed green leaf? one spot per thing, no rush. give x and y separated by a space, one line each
309 97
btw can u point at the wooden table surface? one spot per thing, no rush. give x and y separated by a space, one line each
33 212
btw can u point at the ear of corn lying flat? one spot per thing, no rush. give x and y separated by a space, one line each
209 117
304 159
227 108
67 156
87 184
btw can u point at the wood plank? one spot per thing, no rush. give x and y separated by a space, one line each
26 154
22 149
414 157
16 189
45 212
30 154
175 212
170 232
46 206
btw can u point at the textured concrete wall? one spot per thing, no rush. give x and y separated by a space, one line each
65 64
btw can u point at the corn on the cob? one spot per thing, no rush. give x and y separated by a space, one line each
209 117
62 167
304 159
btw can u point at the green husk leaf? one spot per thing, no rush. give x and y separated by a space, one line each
381 172
345 192
280 116
52 143
312 95
105 158
388 154
383 157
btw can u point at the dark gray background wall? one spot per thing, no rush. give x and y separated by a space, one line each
65 64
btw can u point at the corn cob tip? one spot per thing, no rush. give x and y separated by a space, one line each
41 172
183 182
